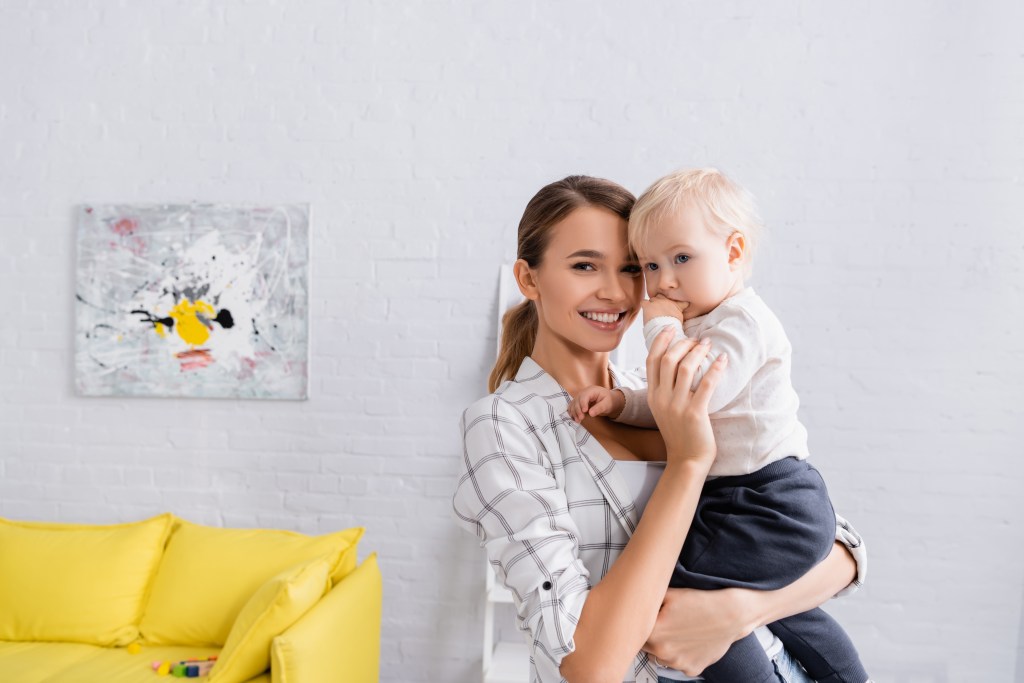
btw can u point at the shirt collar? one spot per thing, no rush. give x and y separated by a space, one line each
596 458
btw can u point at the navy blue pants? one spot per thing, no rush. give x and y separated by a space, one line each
764 531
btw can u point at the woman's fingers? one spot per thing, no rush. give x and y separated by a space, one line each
710 380
671 361
689 364
654 356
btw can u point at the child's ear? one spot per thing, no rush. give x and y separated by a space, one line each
526 278
737 246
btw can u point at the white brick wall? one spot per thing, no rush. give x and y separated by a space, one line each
885 144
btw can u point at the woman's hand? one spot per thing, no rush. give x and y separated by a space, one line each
681 414
695 628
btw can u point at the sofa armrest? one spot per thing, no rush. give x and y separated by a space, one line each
339 638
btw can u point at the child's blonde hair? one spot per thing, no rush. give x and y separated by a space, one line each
727 206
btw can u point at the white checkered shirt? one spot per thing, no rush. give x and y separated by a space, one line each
552 512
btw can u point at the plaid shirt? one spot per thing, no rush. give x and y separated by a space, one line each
552 512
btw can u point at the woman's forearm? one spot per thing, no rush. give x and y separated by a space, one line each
813 589
621 609
696 627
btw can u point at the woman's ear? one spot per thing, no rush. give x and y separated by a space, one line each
526 278
737 246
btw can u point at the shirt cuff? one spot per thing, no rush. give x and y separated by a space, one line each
560 602
655 325
848 536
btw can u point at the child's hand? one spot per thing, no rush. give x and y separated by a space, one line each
660 305
596 401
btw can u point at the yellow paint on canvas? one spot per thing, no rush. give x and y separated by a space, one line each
187 322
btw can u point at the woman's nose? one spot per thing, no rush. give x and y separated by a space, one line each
611 290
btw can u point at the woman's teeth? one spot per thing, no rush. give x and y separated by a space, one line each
601 317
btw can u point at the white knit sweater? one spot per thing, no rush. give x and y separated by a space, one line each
754 407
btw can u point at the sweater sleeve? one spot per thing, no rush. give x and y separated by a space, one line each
737 334
848 536
636 411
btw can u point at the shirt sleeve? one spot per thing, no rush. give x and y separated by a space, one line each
636 410
737 334
848 536
508 496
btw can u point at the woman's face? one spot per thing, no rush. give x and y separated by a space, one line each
588 286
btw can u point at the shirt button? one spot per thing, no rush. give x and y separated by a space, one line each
546 585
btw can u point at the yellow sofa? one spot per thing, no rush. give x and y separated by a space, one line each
108 603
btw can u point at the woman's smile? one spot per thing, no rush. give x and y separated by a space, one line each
606 321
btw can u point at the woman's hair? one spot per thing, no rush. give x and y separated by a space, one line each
727 206
549 206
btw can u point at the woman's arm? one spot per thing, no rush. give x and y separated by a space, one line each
623 607
695 628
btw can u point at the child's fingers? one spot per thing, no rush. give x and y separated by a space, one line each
601 406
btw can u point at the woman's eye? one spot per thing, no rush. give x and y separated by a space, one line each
651 266
632 269
682 258
583 265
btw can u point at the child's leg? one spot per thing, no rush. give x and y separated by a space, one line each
822 646
745 662
762 530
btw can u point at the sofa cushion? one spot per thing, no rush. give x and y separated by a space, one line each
78 663
36 662
278 604
76 582
207 574
339 638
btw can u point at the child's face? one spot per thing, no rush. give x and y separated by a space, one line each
684 260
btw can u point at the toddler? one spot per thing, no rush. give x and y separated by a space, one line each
764 517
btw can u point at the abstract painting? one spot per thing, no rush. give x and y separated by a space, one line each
193 300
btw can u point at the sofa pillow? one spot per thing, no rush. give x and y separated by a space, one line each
351 614
77 582
274 607
207 574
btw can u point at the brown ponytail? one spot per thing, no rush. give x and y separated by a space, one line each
518 333
548 207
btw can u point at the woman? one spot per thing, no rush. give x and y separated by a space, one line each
548 497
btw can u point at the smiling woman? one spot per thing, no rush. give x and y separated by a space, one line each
580 205
593 291
551 501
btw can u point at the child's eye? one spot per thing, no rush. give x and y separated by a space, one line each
651 266
583 265
682 258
